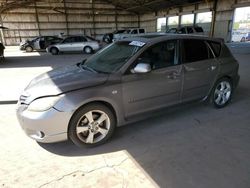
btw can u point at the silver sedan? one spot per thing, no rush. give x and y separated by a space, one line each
75 44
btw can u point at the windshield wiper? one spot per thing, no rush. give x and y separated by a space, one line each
88 68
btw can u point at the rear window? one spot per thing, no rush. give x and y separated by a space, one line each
194 50
198 29
216 47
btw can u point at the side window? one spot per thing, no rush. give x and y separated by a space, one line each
182 30
216 47
134 31
69 40
160 55
194 50
190 30
141 31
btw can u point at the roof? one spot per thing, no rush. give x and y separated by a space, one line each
159 37
135 6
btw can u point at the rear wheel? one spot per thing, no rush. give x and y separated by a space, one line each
54 51
92 125
28 49
88 50
222 93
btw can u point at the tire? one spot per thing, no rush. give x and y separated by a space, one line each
84 128
28 49
54 51
243 39
222 92
88 50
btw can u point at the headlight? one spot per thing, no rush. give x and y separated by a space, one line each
43 104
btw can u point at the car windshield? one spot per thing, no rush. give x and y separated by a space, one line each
113 57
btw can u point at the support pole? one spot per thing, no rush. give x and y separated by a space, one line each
93 16
1 31
66 16
214 17
37 20
116 16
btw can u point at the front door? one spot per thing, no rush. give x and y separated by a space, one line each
199 67
143 92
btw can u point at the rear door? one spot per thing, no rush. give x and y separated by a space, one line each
200 68
159 88
79 43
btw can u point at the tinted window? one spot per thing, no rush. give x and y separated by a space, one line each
182 30
198 29
194 50
216 47
141 31
81 39
69 40
190 30
160 55
134 31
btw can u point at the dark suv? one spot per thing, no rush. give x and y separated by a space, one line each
130 78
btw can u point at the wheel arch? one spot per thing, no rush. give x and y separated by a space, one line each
102 102
53 47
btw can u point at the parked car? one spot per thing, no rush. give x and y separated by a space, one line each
245 38
84 44
2 48
108 37
39 43
134 32
125 81
187 30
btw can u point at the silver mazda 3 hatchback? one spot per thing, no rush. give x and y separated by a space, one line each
127 79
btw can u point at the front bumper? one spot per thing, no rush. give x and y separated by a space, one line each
46 127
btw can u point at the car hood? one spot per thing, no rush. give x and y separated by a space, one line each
62 80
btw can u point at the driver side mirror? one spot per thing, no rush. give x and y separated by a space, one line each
142 68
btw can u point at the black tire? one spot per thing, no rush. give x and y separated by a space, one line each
54 51
88 50
29 49
80 120
222 98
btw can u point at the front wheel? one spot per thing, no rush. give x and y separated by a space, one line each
28 49
92 125
222 93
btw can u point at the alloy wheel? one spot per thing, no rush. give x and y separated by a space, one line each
93 126
222 93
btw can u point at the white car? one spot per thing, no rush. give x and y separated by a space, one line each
84 44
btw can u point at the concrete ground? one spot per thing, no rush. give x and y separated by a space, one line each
192 146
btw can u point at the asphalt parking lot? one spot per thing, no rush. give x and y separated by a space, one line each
195 146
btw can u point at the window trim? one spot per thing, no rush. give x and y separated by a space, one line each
177 56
